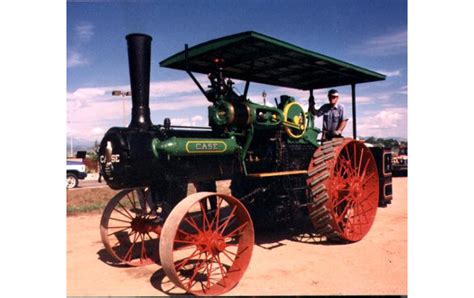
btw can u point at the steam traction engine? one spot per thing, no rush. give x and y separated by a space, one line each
272 155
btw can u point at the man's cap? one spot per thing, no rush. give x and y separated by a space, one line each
333 92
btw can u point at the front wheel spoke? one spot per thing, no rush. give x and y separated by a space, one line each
145 254
224 275
195 272
238 229
142 248
121 220
122 230
186 260
192 223
149 236
132 201
242 250
238 253
127 213
118 243
225 254
128 255
209 271
205 220
216 217
119 227
186 241
142 201
226 222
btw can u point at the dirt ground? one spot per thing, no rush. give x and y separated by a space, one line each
280 266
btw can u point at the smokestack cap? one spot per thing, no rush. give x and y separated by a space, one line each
132 35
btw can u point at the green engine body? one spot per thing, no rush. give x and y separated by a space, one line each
247 131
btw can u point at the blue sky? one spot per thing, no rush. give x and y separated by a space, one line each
371 34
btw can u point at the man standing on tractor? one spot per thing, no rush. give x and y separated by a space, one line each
334 120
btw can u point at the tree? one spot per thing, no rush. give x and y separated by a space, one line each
387 143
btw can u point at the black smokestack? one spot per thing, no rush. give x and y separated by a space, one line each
139 52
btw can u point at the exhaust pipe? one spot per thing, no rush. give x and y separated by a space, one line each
139 52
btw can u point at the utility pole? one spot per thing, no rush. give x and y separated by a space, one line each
70 140
123 94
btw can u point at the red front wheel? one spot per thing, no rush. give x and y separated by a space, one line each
130 227
206 249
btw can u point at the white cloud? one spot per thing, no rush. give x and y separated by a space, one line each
179 103
384 45
167 88
196 120
84 32
76 59
180 121
403 90
393 73
389 122
89 109
98 131
321 96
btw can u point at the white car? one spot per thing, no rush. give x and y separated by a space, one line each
75 170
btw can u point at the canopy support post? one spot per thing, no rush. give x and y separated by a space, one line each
246 90
247 82
190 73
354 130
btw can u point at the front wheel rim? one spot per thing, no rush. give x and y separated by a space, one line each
130 228
206 251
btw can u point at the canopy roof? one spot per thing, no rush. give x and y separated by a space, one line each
259 58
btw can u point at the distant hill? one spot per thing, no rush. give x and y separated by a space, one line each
79 145
394 142
400 139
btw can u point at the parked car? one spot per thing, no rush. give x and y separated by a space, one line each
75 170
400 161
